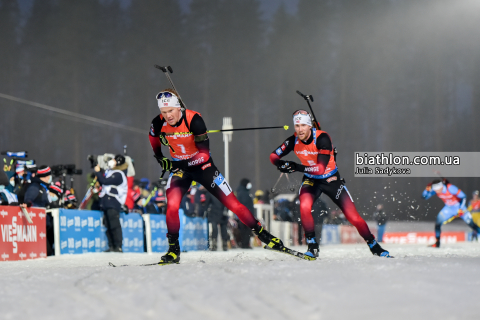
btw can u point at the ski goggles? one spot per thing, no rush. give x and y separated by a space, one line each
168 99
164 94
300 111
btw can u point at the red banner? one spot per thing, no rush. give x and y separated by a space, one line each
423 237
19 239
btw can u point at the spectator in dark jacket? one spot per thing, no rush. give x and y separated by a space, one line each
381 217
217 215
245 198
187 205
112 198
37 193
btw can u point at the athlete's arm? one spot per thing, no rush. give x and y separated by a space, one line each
154 136
461 196
285 148
428 192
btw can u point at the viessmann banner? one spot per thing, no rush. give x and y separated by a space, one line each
21 240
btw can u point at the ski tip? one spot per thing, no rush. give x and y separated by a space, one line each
111 264
285 127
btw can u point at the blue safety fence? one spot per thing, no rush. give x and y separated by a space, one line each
331 234
83 231
158 226
133 232
193 233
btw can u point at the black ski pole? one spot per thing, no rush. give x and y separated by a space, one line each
166 71
309 98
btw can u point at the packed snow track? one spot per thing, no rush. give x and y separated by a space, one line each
347 282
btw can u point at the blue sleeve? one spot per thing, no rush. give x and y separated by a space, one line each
114 180
454 190
31 194
427 194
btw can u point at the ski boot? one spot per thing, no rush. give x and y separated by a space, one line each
267 238
436 244
173 253
313 248
213 246
377 250
224 245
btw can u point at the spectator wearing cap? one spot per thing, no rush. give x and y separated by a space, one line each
11 181
37 192
112 198
69 200
7 198
55 193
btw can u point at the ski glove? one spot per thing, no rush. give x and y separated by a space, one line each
290 166
165 163
169 165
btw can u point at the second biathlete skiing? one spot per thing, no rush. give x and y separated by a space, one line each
316 153
184 132
455 206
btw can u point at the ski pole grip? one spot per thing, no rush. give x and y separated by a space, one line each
161 68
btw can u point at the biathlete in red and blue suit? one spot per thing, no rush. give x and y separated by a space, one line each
316 153
185 134
455 206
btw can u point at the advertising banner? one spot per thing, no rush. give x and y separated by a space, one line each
330 234
349 234
193 233
81 231
21 240
132 229
158 226
426 238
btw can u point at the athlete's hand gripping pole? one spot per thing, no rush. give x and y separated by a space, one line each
165 163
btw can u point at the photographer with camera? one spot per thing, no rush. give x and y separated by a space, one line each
112 197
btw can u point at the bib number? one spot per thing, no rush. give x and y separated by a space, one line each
223 185
182 147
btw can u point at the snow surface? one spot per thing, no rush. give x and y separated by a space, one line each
346 283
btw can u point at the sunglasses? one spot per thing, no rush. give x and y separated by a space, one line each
164 94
